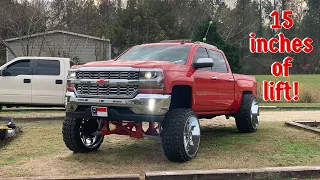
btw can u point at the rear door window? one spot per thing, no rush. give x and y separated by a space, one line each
47 67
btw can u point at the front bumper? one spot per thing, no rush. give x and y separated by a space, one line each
141 108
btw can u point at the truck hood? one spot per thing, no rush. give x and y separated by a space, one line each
134 64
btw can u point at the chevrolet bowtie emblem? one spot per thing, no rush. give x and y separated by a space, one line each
102 82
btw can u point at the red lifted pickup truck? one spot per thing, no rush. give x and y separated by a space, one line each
158 90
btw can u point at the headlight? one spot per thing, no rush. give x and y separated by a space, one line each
148 75
72 74
151 75
151 79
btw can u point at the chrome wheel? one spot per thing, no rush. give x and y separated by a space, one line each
255 114
89 132
191 136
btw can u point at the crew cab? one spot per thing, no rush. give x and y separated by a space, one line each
170 85
34 81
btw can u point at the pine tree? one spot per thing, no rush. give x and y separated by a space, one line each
231 51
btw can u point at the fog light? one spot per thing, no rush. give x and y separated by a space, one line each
151 104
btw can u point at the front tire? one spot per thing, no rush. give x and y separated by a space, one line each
247 117
81 135
1 108
180 135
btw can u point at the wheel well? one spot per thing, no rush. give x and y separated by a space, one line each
246 92
181 97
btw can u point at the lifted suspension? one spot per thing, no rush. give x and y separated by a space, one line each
132 129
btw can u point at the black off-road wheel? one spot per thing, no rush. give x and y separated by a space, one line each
1 108
81 135
247 118
180 135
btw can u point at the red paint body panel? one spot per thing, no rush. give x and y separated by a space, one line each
209 97
206 92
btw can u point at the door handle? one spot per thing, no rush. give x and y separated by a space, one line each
58 81
27 81
214 78
231 80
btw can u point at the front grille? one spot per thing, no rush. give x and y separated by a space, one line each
116 91
130 75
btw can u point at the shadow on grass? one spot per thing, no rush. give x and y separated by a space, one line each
226 137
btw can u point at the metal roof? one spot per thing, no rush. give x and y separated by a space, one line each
57 31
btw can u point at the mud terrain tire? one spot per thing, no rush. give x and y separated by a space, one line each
72 138
180 135
247 117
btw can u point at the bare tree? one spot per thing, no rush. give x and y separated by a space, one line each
22 20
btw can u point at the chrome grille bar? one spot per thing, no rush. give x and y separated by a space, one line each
85 90
130 75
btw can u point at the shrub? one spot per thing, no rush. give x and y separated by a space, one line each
306 97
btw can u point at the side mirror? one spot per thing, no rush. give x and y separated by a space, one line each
203 63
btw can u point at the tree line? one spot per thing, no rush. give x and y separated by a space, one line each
130 22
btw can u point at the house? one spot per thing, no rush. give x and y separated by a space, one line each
79 47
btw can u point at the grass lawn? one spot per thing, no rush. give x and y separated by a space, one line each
39 150
308 84
31 114
312 81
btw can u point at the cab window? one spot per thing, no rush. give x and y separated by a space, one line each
48 67
201 53
219 63
20 67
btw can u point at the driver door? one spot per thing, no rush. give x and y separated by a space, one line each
206 85
15 86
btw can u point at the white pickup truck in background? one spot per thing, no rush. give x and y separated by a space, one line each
34 81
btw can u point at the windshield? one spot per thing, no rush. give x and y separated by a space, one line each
174 53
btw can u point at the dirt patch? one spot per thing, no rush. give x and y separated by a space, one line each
267 116
289 115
